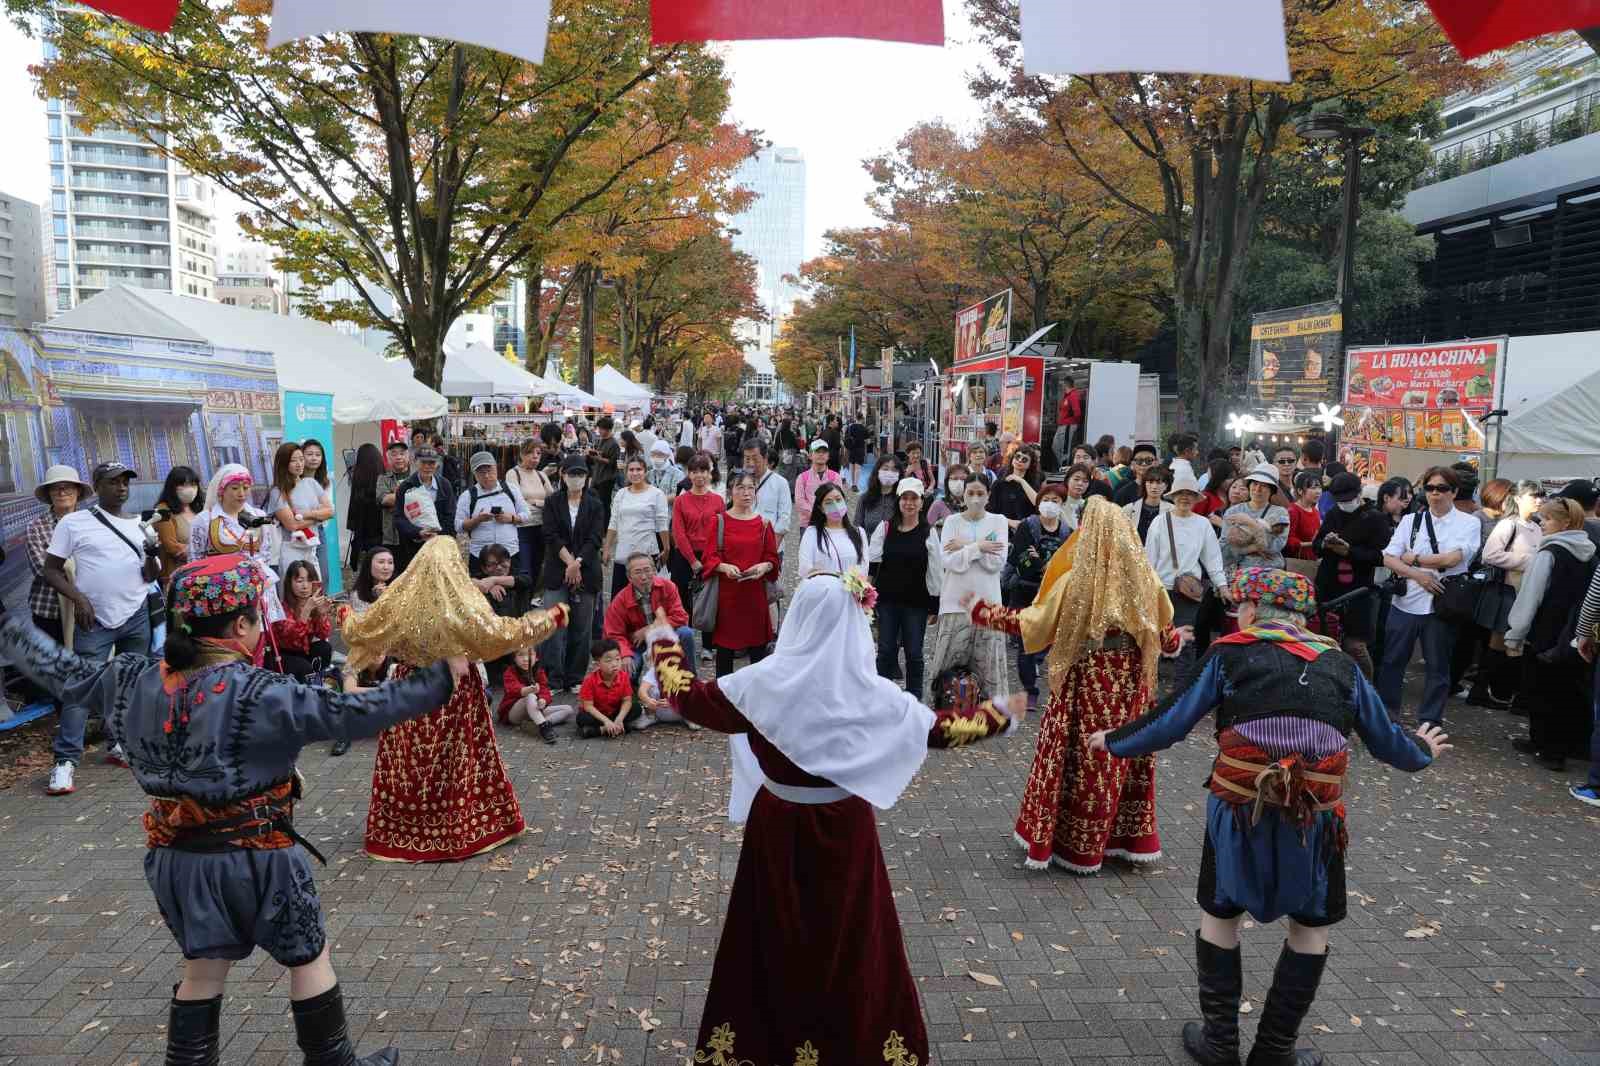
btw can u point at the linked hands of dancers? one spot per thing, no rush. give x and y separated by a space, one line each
1185 635
459 666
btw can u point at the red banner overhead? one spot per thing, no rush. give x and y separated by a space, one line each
1479 26
151 14
914 21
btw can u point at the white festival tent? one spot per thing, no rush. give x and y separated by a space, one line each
1552 394
614 387
479 372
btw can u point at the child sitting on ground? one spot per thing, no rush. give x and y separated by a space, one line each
605 700
657 709
526 703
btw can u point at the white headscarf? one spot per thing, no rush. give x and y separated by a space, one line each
819 700
225 472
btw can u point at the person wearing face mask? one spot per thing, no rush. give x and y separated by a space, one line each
574 526
1350 546
831 543
213 741
664 473
877 504
1038 539
953 499
973 547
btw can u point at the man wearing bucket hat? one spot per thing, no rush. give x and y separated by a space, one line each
61 491
108 590
1182 549
1286 701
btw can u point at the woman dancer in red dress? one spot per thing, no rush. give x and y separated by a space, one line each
1106 619
811 967
440 792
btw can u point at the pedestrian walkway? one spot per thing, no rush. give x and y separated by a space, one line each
1474 930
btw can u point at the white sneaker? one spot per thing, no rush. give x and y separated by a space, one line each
694 727
643 722
117 755
61 780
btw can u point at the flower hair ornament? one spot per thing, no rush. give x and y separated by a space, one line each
860 589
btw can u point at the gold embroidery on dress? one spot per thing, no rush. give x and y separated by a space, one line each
895 1053
719 1050
961 731
669 671
805 1055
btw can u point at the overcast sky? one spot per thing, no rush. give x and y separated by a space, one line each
839 102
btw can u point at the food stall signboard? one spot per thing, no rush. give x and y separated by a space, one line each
1430 397
984 329
1292 355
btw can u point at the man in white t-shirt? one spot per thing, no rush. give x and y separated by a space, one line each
113 566
1424 559
711 438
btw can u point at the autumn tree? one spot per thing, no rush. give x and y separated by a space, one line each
419 168
1207 148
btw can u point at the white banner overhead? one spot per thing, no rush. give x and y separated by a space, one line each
520 31
1239 38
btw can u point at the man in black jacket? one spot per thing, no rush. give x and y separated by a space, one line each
574 525
427 480
1144 457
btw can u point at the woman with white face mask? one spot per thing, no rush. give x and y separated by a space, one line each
877 504
1350 546
831 543
973 547
953 499
1038 539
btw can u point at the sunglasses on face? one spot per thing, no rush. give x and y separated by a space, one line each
1439 488
1285 462
1146 461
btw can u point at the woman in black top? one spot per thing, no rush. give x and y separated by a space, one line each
900 550
1016 495
878 501
365 516
789 448
1036 540
1350 546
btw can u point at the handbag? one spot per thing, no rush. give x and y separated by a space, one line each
1495 597
1458 598
1186 585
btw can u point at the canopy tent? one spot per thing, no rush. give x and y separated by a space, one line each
570 395
616 388
311 356
479 371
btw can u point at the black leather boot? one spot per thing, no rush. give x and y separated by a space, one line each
320 1031
1216 1042
1294 987
194 1031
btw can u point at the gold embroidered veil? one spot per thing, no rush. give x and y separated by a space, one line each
433 611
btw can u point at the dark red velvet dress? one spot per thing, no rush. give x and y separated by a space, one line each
811 968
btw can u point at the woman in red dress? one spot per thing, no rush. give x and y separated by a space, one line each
440 792
742 551
1102 612
811 967
694 513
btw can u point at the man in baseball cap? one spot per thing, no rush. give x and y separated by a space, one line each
813 478
414 525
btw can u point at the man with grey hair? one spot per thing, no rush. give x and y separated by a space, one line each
1286 700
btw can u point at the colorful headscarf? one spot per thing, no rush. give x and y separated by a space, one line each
1277 588
216 585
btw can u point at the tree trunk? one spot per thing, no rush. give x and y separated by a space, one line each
588 289
428 361
532 320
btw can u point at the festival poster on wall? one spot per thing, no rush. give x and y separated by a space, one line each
1423 397
309 416
1369 464
1292 355
984 329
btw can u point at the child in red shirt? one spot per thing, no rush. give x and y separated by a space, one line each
605 698
526 702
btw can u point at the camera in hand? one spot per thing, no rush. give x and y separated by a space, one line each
497 510
253 521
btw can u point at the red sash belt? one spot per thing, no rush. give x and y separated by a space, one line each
1247 777
263 822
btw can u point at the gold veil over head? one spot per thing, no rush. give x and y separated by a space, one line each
433 611
1110 586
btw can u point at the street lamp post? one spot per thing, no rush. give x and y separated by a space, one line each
1331 126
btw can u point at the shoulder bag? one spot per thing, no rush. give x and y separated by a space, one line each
1495 597
1186 585
1457 600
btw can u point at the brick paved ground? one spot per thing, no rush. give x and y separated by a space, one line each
591 939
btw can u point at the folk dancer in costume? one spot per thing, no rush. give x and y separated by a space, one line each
214 740
230 526
811 967
440 791
1286 701
1106 620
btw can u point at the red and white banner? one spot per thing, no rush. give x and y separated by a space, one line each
1240 38
151 14
520 30
1479 26
914 21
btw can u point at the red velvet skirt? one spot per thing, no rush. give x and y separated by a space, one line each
439 790
811 967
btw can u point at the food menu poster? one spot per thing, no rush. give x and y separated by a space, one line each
1016 383
984 329
1429 397
1369 464
1292 354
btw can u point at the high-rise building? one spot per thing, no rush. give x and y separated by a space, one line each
247 278
772 230
122 213
21 262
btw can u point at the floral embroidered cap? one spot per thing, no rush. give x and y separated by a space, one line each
1279 588
216 585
